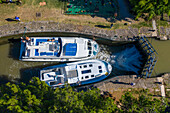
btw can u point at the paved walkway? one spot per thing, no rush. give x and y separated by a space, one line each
121 83
50 26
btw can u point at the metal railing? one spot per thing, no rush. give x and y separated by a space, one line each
151 57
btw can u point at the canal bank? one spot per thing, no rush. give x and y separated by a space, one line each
50 26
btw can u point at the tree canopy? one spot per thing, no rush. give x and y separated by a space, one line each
152 7
144 103
38 97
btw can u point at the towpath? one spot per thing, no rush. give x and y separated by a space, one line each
157 85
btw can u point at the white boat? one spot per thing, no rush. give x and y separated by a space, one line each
57 49
76 73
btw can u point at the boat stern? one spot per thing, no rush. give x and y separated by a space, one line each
95 48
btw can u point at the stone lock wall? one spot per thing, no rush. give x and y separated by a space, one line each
50 26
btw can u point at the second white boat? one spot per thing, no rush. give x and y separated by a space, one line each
76 73
57 49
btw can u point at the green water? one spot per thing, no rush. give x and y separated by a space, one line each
163 50
11 69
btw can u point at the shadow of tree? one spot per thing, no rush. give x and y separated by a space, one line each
14 48
102 26
100 8
117 82
5 79
27 73
109 10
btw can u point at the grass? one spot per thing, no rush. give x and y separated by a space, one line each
135 92
50 3
142 24
52 11
162 23
119 26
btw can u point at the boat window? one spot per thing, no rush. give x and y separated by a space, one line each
94 52
86 76
95 46
85 66
100 67
92 75
81 77
89 43
100 71
58 72
90 65
89 48
89 52
53 83
86 71
80 67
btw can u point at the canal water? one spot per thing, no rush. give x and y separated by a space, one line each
124 57
163 50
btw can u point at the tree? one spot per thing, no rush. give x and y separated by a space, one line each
152 7
163 7
143 103
37 96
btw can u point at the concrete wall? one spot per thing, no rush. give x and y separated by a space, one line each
49 26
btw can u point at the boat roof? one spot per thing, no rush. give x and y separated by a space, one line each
90 69
51 47
86 70
73 72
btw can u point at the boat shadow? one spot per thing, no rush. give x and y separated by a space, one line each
26 74
14 49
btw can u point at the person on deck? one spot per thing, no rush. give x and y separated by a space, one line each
17 18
